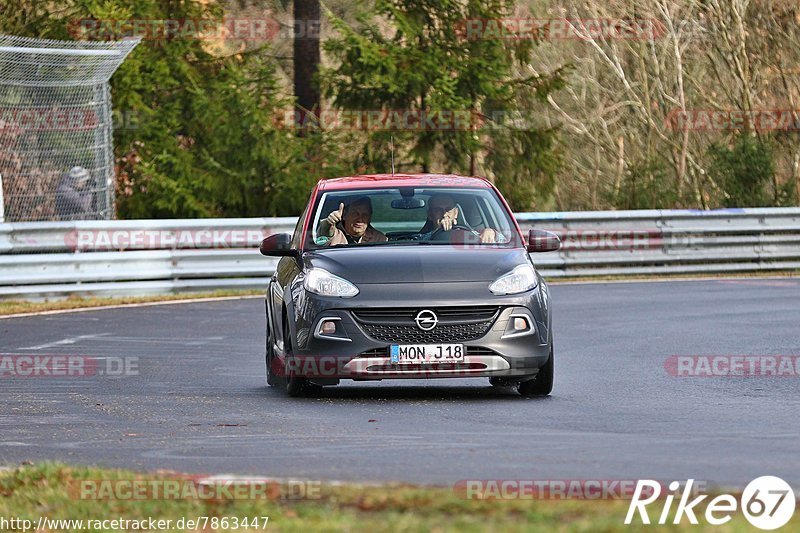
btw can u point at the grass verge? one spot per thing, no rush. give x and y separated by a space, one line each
53 490
13 307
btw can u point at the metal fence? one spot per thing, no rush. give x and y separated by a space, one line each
56 149
168 256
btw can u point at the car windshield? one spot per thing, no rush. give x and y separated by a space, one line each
410 216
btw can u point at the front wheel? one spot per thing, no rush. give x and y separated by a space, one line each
296 386
542 384
273 379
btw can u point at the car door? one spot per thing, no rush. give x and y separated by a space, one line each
287 270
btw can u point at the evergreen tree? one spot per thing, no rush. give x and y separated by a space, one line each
417 56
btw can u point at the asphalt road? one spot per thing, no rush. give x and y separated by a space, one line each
199 404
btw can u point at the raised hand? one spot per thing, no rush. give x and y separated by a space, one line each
335 217
449 219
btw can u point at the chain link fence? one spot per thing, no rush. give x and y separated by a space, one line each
56 146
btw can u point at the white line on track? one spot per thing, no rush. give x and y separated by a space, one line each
187 341
63 342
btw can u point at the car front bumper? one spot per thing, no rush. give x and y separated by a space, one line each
354 352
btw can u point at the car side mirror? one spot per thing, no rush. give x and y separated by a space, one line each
541 240
278 245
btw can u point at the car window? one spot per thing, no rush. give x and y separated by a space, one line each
408 216
297 236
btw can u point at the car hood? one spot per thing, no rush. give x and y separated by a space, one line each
416 264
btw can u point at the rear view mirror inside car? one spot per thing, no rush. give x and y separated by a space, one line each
408 203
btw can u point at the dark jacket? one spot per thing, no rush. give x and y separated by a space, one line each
72 203
371 235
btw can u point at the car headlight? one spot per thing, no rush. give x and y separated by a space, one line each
320 281
521 279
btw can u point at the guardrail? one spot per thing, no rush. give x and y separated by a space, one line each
55 259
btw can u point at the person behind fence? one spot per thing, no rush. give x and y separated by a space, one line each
74 196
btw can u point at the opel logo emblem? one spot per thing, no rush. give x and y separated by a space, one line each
426 320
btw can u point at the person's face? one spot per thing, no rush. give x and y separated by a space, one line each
357 219
438 206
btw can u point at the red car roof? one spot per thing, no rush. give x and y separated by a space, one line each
402 180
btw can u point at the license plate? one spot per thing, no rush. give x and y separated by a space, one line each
405 354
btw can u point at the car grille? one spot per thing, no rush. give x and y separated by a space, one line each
456 324
480 350
397 325
375 352
440 334
405 315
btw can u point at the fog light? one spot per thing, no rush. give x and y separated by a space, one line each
519 325
328 327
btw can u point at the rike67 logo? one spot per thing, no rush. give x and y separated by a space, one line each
767 502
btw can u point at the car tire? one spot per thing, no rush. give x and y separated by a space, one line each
296 386
273 380
542 384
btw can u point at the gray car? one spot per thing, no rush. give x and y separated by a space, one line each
408 276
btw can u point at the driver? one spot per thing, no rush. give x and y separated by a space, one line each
443 213
351 224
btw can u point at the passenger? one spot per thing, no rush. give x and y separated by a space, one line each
351 224
443 213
